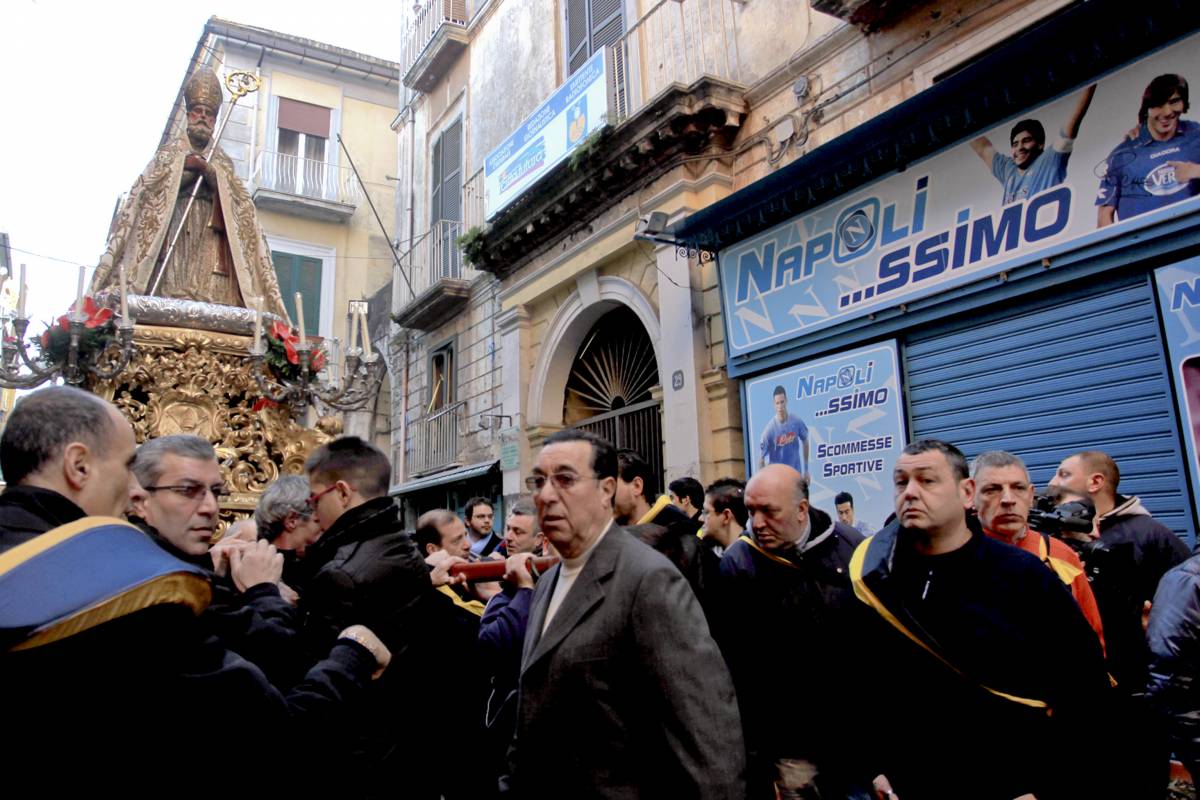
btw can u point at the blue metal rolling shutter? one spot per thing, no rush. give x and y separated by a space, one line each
1046 378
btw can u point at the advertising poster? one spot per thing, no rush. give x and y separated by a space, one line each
1179 299
559 125
840 419
1098 161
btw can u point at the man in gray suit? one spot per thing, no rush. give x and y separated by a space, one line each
623 692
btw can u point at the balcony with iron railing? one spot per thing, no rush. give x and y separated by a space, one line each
436 283
305 187
676 91
437 36
435 440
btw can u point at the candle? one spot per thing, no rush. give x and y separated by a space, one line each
335 361
21 295
352 343
256 345
300 320
79 290
124 299
366 336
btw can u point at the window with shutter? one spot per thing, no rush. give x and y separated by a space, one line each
446 202
591 25
300 274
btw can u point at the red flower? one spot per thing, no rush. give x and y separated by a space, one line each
280 331
94 315
261 403
289 347
318 360
46 339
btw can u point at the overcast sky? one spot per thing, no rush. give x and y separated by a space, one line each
87 89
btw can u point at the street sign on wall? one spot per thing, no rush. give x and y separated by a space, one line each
577 109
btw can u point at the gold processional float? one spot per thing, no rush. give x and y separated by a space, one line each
167 334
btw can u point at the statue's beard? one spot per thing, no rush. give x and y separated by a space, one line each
199 136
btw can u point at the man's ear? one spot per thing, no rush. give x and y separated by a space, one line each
608 486
639 486
431 548
291 521
1095 482
967 488
77 465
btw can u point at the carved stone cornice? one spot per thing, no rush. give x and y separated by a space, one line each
681 121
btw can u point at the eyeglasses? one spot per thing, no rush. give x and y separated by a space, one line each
315 497
563 481
193 491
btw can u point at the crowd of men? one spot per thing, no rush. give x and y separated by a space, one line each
728 641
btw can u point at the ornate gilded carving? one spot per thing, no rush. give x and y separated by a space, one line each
195 381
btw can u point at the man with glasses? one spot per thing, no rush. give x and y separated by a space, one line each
618 653
181 486
113 628
366 566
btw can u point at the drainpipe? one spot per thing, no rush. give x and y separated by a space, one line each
403 465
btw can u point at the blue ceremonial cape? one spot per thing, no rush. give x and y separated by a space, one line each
85 573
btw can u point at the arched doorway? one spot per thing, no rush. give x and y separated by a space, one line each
608 389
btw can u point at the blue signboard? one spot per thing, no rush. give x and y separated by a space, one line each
840 420
1179 299
559 125
1076 169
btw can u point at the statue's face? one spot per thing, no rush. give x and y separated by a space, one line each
201 119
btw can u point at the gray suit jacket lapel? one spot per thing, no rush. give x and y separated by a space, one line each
586 593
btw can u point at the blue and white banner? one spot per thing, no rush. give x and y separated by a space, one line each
1096 162
559 125
840 420
1179 299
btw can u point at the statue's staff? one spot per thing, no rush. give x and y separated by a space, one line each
239 84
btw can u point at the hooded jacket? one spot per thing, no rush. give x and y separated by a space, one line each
1133 553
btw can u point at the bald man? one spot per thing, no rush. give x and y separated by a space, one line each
787 585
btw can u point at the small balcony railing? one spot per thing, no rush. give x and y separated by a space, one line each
472 201
435 258
676 42
427 47
436 440
306 177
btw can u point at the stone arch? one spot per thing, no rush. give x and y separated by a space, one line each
565 335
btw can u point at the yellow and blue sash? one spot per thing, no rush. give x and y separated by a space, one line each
864 593
86 573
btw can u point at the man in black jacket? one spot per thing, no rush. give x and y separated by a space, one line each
1125 563
366 566
634 504
786 594
140 660
177 506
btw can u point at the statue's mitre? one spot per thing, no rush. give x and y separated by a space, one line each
203 88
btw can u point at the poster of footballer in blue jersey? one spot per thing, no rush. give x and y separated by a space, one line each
838 420
1111 156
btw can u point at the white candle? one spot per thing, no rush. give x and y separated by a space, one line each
353 342
256 345
300 320
79 291
124 299
366 336
21 295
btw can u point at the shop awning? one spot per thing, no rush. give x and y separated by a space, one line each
449 476
1053 57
